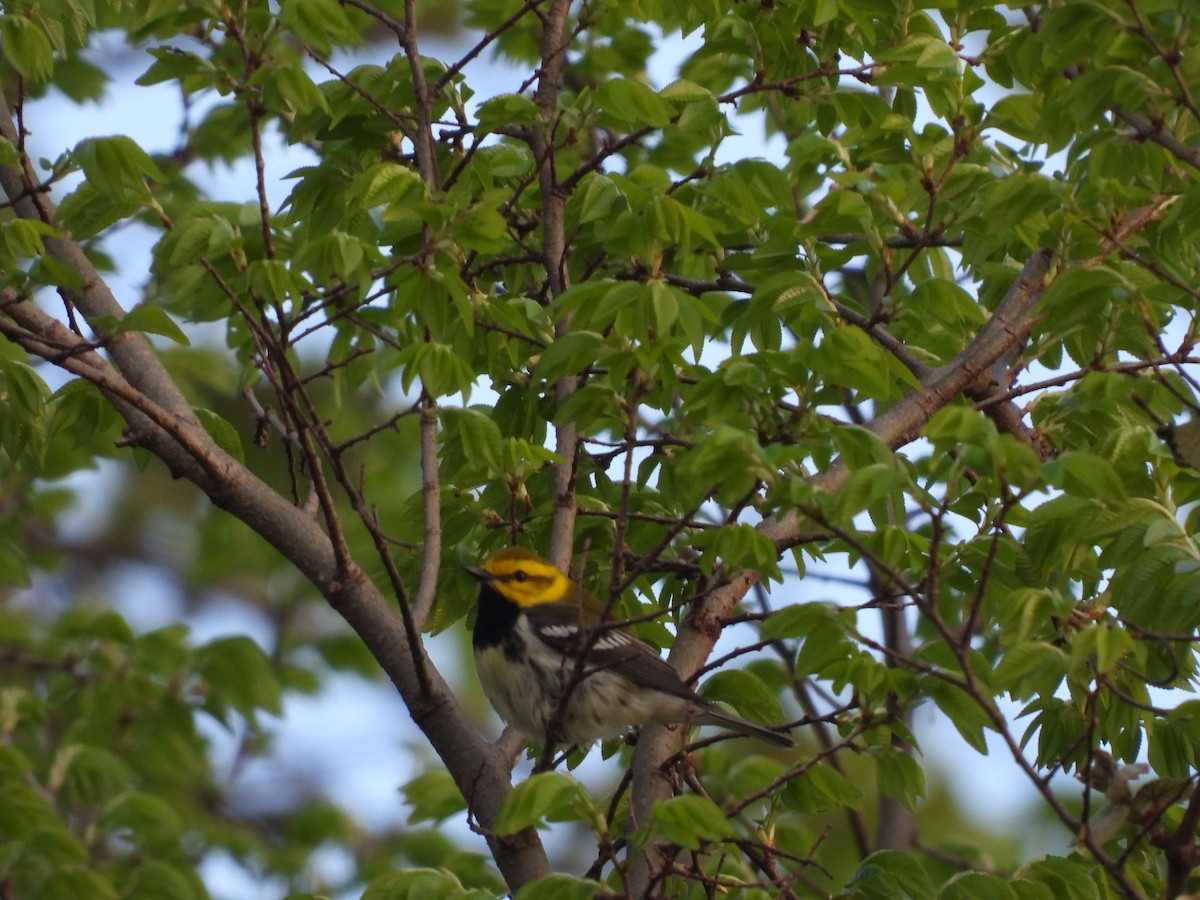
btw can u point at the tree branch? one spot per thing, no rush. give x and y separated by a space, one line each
699 631
554 257
145 395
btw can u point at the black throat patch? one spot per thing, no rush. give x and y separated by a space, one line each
494 620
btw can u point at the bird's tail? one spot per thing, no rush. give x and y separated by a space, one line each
710 715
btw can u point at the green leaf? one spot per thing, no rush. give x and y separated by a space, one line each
238 676
746 693
505 111
388 184
596 197
433 796
151 318
87 211
964 712
798 620
73 882
89 776
1100 647
27 47
442 371
24 389
822 788
478 436
977 886
482 229
417 884
1031 667
1016 201
888 874
1068 878
146 820
1083 474
558 886
595 304
633 103
672 222
295 91
23 237
273 282
191 70
1016 114
689 821
323 24
738 547
588 406
224 435
545 797
156 879
900 775
569 354
117 166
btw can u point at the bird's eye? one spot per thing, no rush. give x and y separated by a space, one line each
520 575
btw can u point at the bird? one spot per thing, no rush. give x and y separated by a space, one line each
1183 440
554 671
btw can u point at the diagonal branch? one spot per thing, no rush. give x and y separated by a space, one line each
160 420
896 427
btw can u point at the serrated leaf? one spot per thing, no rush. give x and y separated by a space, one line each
478 434
746 693
889 873
151 318
1083 474
1069 879
795 621
117 166
433 796
822 788
417 884
191 70
238 676
682 90
558 886
1031 667
158 878
481 229
1099 647
23 237
633 103
87 211
977 886
900 776
689 821
964 713
597 195
389 183
27 47
146 820
545 797
506 110
571 353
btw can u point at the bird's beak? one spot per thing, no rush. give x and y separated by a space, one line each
478 574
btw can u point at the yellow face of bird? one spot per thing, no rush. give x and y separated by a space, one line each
524 578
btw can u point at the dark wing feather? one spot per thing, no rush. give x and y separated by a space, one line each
608 649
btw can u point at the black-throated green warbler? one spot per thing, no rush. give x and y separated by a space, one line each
538 640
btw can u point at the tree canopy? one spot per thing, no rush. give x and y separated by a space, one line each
830 341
